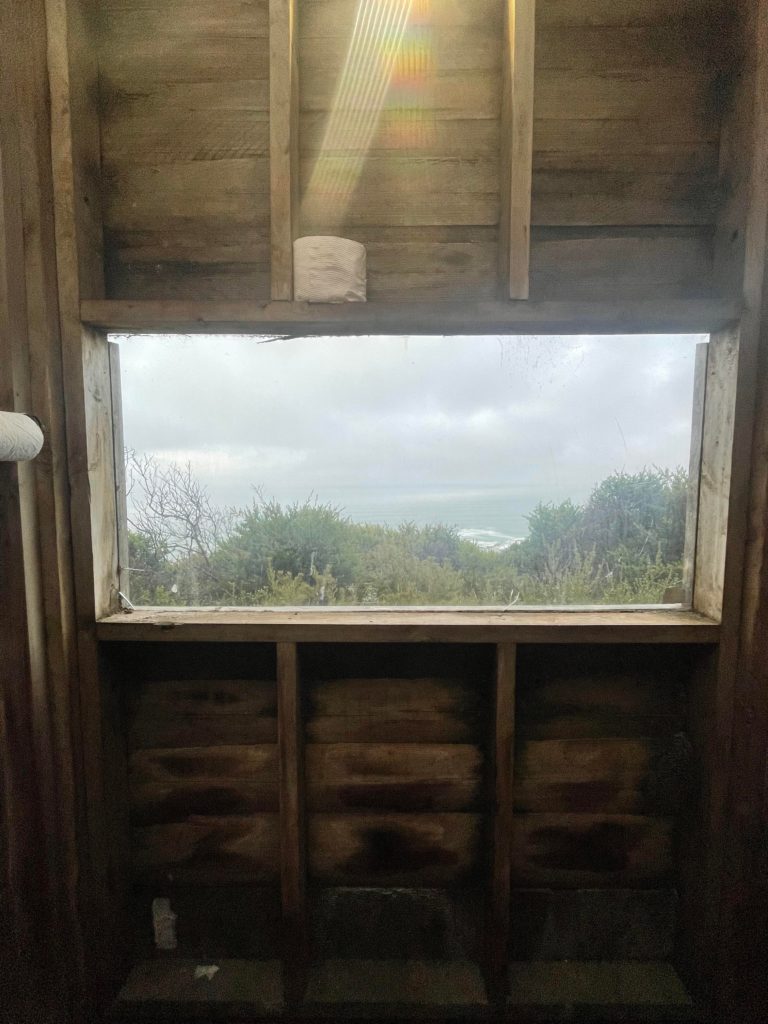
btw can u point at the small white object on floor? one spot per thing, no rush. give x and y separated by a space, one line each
164 923
207 972
328 269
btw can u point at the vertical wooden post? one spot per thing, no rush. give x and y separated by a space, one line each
694 471
283 142
517 148
292 823
504 752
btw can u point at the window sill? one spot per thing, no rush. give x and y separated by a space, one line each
641 626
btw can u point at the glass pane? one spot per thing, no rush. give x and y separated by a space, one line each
407 471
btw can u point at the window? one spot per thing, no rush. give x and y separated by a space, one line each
408 471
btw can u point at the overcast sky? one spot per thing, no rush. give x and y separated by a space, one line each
545 417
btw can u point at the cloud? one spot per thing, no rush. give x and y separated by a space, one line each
541 418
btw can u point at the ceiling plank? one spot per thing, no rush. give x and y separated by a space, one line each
517 148
283 142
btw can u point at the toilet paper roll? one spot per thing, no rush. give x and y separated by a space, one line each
328 269
20 437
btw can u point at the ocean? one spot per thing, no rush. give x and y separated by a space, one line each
492 517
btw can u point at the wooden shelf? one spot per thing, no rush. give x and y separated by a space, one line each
301 318
365 626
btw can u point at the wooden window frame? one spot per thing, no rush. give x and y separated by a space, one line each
707 531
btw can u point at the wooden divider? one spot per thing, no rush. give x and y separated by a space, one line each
292 823
501 871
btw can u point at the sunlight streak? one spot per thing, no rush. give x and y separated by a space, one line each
388 62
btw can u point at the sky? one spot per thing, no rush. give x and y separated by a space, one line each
433 419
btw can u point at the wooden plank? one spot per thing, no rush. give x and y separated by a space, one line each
393 776
284 142
157 984
575 263
572 851
584 263
517 146
293 838
574 627
76 194
159 135
563 198
197 713
727 848
433 849
593 924
643 95
459 94
368 986
661 147
567 696
501 864
612 49
169 785
694 471
629 12
394 711
717 452
473 46
303 319
133 60
118 461
396 924
209 850
609 991
612 776
226 191
323 19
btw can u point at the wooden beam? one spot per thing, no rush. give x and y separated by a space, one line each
718 454
292 823
383 626
283 142
517 147
86 389
501 869
301 319
694 471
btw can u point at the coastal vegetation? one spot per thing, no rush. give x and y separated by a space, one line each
624 545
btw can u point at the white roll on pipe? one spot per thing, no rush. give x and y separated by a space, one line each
328 269
20 437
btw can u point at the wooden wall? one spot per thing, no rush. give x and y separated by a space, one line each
626 143
398 769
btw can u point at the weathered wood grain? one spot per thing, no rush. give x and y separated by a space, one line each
565 851
393 776
515 173
573 696
582 263
716 468
394 849
169 785
209 850
197 713
502 821
627 13
613 776
393 711
283 143
293 829
577 627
